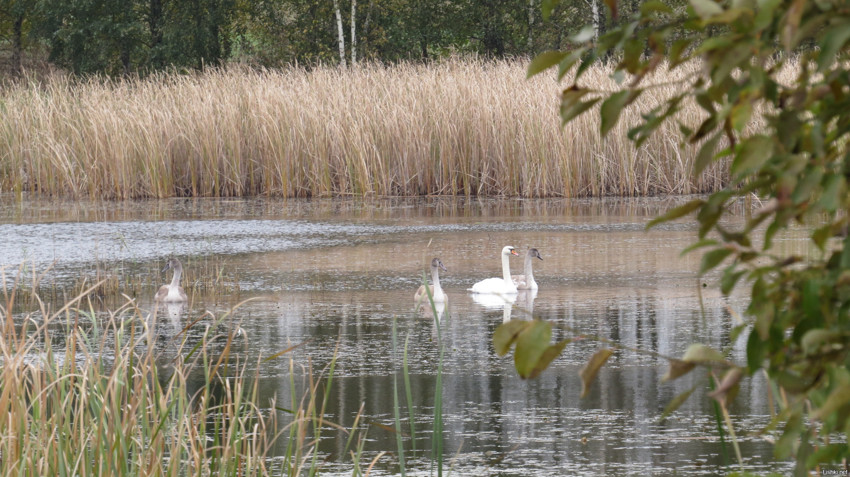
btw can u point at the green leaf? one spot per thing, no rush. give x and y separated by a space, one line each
814 339
676 403
753 153
706 8
764 13
706 154
591 369
572 106
676 213
679 51
792 18
740 115
755 351
531 343
730 278
632 55
547 6
653 6
702 354
845 253
611 109
677 369
838 398
834 192
790 436
821 235
731 15
567 63
587 61
547 357
811 299
713 258
826 453
811 178
833 41
506 334
544 61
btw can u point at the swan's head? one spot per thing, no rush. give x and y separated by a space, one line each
532 252
173 264
437 263
508 250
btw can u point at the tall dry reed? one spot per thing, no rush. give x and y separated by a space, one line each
456 127
89 394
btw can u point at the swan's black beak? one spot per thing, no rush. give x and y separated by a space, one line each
538 256
443 267
167 266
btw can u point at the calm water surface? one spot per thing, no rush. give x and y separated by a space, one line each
339 272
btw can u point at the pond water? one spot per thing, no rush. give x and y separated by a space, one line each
334 275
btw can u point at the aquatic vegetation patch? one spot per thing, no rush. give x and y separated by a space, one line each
457 127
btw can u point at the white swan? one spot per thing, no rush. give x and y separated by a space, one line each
502 285
173 292
526 281
437 292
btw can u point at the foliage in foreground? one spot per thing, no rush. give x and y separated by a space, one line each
107 401
125 392
105 393
798 319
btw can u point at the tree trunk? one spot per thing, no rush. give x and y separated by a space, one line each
18 43
493 39
340 34
530 41
364 32
594 18
125 58
353 32
155 28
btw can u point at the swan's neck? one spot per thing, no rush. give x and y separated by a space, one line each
175 280
506 268
529 277
435 278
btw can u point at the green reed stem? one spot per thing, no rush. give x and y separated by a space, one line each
437 437
409 392
396 412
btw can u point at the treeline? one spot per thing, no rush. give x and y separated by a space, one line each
141 36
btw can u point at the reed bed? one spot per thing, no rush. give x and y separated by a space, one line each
208 278
456 127
87 394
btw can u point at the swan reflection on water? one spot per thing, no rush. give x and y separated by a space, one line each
495 301
524 302
165 321
426 311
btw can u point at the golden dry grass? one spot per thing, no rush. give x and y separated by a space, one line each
464 127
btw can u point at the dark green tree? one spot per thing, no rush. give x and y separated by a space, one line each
93 35
197 33
16 19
